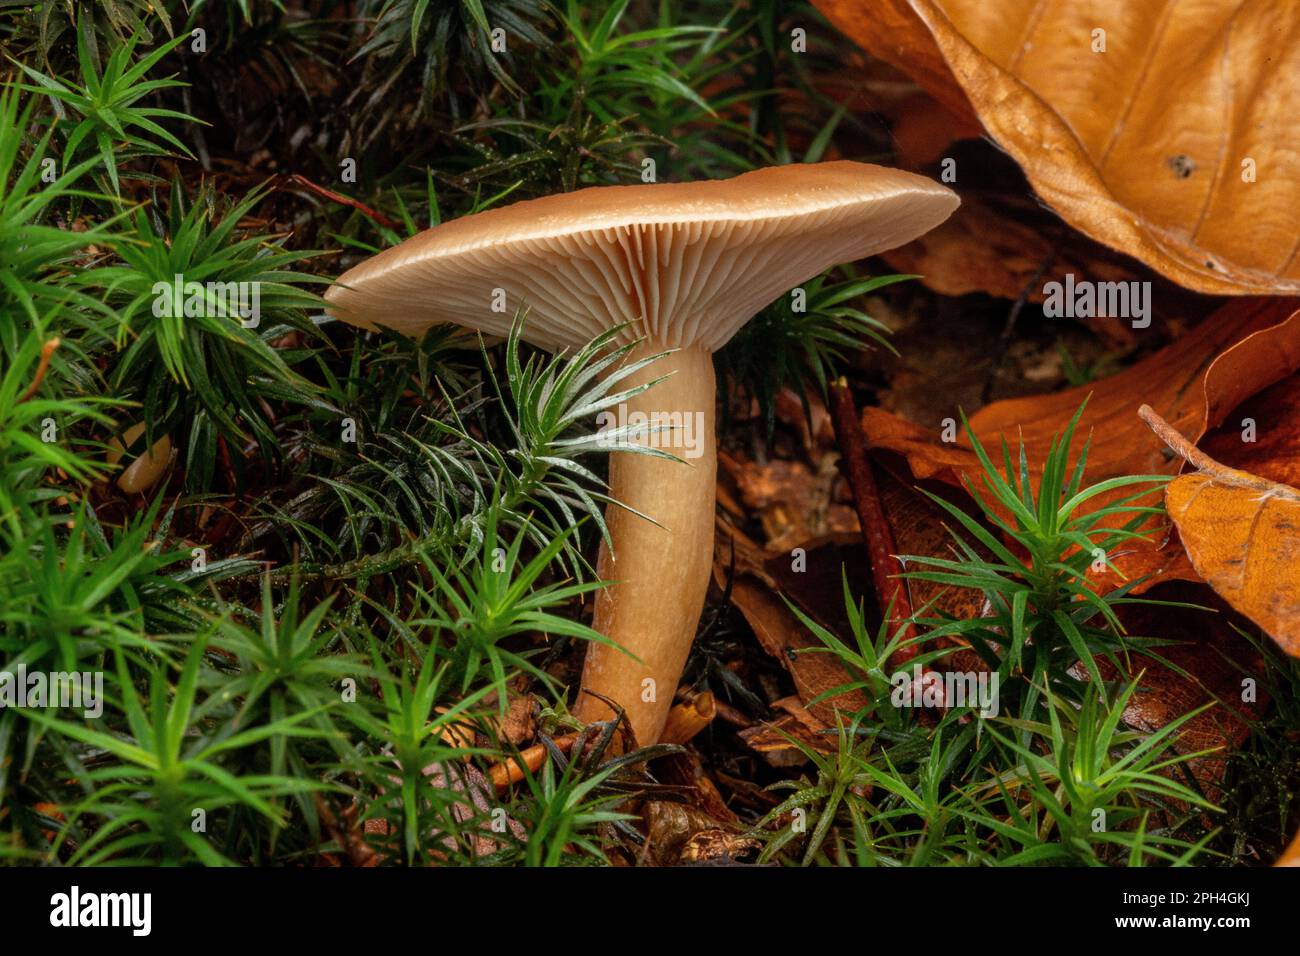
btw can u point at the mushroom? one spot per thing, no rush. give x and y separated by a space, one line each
143 473
683 266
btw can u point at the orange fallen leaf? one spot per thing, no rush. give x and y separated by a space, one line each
758 591
1160 129
1242 533
999 244
1291 855
772 738
923 130
891 31
1194 383
1272 449
921 528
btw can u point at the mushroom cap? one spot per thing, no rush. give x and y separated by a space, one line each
685 264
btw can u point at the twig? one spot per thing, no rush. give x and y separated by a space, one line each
885 566
511 771
1172 437
331 195
47 351
1200 460
227 466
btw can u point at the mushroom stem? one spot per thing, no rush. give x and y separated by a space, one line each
661 571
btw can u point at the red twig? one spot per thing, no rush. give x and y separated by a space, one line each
227 466
885 566
331 195
47 350
512 770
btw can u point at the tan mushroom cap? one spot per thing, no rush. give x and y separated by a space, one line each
687 264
